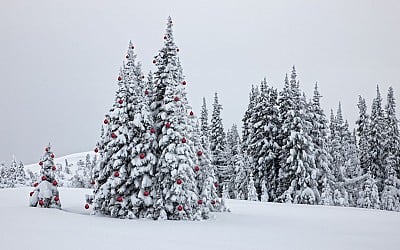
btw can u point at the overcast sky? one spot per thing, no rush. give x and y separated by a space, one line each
59 60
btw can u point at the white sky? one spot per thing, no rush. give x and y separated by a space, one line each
59 60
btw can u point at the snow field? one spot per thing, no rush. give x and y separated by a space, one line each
250 225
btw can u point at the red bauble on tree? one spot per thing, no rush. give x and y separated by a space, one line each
191 113
40 163
92 182
177 50
179 181
127 56
116 174
35 184
152 130
183 140
213 202
165 37
105 121
120 101
216 185
146 193
146 92
199 153
176 98
96 150
113 135
46 149
196 168
44 178
133 47
119 78
52 156
184 83
56 198
142 77
86 206
31 193
154 61
180 208
41 202
53 168
55 183
119 199
200 202
142 155
167 125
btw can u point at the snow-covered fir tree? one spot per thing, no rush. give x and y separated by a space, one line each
204 123
246 129
45 193
362 133
369 195
297 167
218 141
251 190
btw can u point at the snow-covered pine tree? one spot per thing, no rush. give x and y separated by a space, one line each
204 123
297 167
376 141
319 132
11 173
175 186
20 176
251 190
362 133
46 193
218 141
247 127
392 136
369 196
233 152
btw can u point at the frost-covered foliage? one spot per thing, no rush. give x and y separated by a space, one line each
251 190
45 193
369 196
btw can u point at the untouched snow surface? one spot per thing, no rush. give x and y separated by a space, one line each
250 225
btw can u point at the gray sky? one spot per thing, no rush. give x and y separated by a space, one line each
59 60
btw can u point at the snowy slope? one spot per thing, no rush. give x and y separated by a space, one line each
72 160
250 225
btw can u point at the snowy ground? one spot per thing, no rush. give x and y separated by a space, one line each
250 225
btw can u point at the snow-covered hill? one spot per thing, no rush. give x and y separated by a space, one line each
64 176
250 225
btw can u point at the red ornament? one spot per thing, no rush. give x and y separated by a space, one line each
87 206
196 168
120 101
200 202
35 184
176 98
183 140
154 61
41 202
216 185
146 92
116 174
199 153
152 130
46 149
105 121
142 77
119 199
179 181
177 50
96 150
92 182
31 193
184 83
52 155
133 47
180 208
44 178
53 168
119 78
213 202
165 37
191 113
167 125
146 193
55 183
56 198
40 163
113 135
127 56
142 155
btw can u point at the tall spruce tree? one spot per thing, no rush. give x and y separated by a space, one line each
218 141
362 133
